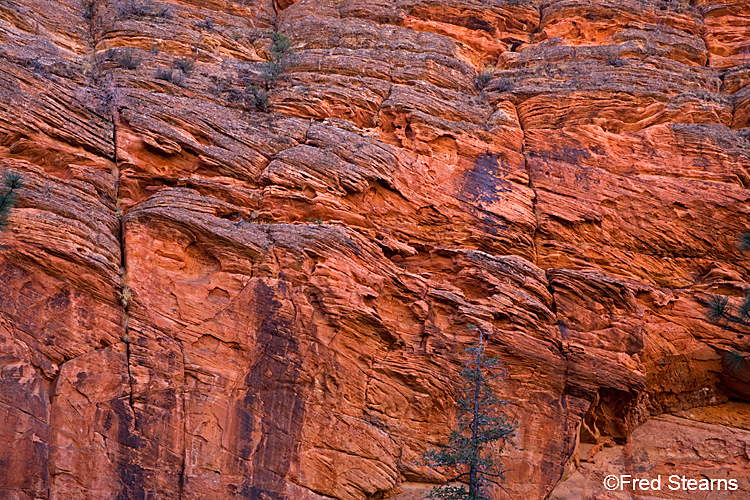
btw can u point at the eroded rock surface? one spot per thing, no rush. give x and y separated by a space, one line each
210 296
665 450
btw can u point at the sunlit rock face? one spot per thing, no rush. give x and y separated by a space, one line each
210 295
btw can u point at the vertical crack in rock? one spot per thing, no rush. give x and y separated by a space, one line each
124 289
538 27
50 448
721 72
177 141
524 153
569 440
702 34
130 473
380 106
183 466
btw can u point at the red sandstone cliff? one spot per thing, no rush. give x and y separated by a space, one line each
199 299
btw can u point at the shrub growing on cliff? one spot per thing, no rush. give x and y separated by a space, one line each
126 59
720 312
480 424
11 184
282 46
207 25
484 77
169 75
744 242
88 8
257 98
504 85
281 53
184 64
141 8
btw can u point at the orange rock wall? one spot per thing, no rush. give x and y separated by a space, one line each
204 300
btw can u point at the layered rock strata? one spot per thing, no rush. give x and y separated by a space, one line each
205 295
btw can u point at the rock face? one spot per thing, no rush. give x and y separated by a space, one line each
206 295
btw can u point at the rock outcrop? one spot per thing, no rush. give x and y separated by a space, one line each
223 284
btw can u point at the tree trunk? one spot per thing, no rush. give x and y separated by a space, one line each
473 468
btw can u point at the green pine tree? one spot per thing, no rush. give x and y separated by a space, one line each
11 184
281 55
720 312
480 424
718 305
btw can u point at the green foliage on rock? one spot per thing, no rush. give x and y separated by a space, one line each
719 311
744 241
281 53
484 77
12 182
465 457
127 59
257 98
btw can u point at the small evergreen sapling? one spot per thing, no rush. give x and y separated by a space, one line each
11 184
480 424
720 312
744 243
282 46
718 309
281 53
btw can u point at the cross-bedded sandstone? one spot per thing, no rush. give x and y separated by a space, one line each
205 299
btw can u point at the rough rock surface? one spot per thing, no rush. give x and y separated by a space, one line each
665 449
207 297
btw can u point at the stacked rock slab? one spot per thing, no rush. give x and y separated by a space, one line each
206 298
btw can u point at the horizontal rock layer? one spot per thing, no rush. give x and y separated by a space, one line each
210 295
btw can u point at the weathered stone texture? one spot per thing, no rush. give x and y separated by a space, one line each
206 298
